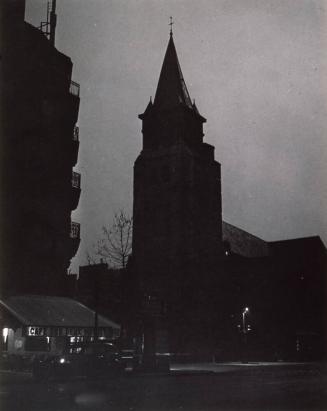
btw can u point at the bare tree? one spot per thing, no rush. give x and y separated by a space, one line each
90 259
115 246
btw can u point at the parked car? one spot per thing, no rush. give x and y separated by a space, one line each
84 360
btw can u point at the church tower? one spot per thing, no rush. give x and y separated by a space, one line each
177 234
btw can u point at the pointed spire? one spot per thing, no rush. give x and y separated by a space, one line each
171 90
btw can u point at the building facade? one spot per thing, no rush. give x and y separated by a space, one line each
40 141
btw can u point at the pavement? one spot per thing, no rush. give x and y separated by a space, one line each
203 368
189 387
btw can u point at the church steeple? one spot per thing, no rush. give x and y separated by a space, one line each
177 194
172 118
171 90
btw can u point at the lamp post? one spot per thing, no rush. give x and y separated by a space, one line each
245 311
245 330
94 271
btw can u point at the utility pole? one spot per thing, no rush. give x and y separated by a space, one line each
53 22
94 271
245 330
155 335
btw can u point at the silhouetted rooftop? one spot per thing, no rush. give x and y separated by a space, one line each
302 246
53 311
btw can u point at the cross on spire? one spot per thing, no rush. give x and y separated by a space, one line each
171 26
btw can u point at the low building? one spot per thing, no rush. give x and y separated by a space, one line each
283 283
36 325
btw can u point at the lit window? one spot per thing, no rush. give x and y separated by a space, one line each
5 333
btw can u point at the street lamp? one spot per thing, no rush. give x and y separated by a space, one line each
94 271
245 311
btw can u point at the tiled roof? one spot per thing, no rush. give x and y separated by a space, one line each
52 311
244 243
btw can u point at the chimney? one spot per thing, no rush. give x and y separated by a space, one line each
53 22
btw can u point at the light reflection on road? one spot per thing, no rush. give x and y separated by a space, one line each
90 399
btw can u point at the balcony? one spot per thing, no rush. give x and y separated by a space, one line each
75 230
75 146
74 88
76 180
76 190
74 236
73 101
76 133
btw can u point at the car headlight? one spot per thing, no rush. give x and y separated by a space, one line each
63 360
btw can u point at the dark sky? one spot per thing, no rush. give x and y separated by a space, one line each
258 72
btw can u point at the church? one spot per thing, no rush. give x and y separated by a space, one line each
223 291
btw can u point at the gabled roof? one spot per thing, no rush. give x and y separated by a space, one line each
243 243
171 90
40 310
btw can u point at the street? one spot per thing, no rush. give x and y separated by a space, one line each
230 386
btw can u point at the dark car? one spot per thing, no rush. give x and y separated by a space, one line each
85 360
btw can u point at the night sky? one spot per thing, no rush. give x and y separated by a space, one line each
257 70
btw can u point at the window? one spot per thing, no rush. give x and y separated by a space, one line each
5 333
37 344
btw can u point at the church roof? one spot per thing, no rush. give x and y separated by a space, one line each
243 243
171 90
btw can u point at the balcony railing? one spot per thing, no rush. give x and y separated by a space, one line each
74 88
76 180
76 133
44 27
75 229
